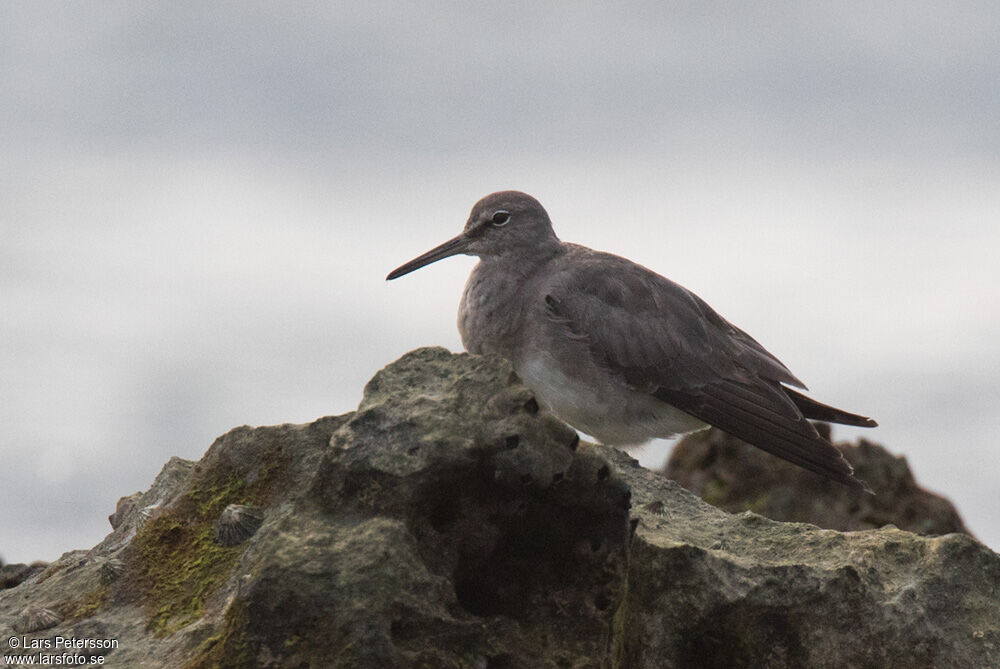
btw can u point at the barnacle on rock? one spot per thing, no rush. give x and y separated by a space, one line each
236 524
110 569
35 618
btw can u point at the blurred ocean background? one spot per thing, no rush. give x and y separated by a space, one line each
199 203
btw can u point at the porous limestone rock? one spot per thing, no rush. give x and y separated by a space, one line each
451 522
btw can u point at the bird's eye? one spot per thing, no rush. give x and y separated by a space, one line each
501 217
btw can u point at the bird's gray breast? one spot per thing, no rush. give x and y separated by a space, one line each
492 311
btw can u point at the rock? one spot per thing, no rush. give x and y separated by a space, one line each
712 589
735 476
450 522
12 575
125 506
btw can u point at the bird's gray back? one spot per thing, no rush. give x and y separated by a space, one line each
650 330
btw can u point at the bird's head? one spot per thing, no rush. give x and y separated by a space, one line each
508 224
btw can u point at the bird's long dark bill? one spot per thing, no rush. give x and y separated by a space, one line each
452 247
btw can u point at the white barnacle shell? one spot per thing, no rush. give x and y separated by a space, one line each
110 569
236 524
35 618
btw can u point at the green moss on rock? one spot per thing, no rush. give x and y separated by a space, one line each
174 565
86 606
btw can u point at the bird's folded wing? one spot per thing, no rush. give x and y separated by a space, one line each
751 414
651 330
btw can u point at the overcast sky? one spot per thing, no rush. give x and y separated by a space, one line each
199 203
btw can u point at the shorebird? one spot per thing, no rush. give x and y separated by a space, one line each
620 352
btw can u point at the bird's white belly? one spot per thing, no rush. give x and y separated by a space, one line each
599 404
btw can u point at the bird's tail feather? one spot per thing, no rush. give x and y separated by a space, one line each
814 410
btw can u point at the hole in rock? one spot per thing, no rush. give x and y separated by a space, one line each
503 661
533 557
443 515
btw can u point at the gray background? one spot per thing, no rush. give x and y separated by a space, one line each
199 204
